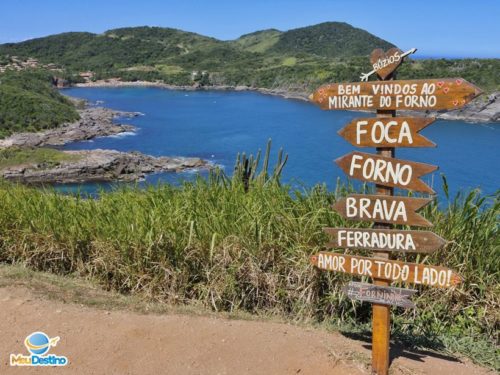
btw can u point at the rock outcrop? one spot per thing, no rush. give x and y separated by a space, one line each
94 122
99 165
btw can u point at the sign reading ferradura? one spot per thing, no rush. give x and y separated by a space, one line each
386 171
410 241
393 270
383 209
379 294
418 94
386 132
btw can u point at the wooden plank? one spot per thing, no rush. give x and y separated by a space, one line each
408 241
387 132
411 273
419 94
383 295
390 210
386 171
384 63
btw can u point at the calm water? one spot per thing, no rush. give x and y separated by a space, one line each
217 125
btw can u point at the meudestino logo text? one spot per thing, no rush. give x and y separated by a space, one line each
38 345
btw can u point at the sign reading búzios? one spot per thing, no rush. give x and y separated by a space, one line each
411 273
419 94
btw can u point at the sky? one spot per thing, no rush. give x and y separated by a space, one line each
438 28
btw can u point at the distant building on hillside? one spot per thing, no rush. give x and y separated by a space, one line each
87 76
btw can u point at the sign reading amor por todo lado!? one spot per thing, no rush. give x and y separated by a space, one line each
386 171
383 209
384 295
387 132
411 241
393 270
419 94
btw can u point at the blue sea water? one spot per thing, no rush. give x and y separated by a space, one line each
216 125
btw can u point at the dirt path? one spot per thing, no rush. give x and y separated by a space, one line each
120 342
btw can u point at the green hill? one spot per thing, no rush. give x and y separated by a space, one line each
329 39
132 46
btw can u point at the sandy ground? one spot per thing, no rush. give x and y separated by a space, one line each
121 342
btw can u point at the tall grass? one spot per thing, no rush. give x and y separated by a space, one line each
229 245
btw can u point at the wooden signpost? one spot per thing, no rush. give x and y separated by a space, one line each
387 132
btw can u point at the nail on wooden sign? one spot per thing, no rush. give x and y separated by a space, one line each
387 132
383 295
419 94
383 209
412 273
410 241
386 171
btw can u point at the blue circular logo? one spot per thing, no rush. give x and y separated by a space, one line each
37 343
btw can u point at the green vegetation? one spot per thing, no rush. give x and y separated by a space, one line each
243 244
29 102
299 59
259 41
17 156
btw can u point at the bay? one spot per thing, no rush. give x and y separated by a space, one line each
216 125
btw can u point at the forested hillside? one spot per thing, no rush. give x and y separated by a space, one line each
29 102
298 59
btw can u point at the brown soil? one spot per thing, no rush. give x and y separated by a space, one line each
122 342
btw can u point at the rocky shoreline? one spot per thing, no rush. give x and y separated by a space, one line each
94 122
480 110
99 165
89 165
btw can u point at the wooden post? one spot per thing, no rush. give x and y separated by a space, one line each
381 317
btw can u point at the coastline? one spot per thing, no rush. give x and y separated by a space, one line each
287 94
78 166
478 111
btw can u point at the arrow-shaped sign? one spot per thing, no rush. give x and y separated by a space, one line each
418 94
386 171
383 209
385 63
379 268
408 241
383 295
387 132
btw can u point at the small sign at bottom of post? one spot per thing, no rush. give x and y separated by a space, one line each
383 295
